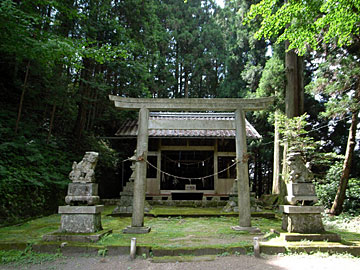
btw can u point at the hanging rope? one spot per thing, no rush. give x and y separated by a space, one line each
184 162
190 178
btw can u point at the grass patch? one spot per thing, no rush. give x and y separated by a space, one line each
18 258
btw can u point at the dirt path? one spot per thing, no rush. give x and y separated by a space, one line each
294 262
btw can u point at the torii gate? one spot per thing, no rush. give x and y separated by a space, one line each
145 105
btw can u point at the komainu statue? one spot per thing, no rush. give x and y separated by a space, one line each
84 171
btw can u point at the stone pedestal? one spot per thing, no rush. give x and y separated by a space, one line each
301 192
82 193
80 219
302 219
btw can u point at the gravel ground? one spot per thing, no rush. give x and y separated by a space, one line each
293 262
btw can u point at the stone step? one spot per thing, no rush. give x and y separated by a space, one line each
293 237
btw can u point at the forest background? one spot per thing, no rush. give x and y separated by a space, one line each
60 59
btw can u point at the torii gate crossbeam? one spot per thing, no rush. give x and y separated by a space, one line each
145 105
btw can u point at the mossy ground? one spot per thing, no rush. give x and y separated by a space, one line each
166 232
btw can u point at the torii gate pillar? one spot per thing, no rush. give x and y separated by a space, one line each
137 221
239 106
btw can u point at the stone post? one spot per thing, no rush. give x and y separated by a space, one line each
137 222
242 174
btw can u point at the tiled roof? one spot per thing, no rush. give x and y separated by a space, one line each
130 127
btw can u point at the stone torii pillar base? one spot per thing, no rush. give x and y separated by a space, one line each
246 229
136 230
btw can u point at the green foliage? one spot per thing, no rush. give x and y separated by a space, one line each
293 134
337 81
244 55
272 81
308 24
326 189
33 175
102 252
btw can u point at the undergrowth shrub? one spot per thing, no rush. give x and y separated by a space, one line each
326 189
33 179
33 174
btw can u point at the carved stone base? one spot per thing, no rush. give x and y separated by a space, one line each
82 193
80 219
136 230
302 219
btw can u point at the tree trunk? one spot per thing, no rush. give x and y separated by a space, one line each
22 97
294 99
84 89
337 206
186 87
51 123
277 160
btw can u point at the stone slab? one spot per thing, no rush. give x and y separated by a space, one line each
247 229
83 238
67 209
302 223
293 237
136 230
293 209
89 200
82 189
80 223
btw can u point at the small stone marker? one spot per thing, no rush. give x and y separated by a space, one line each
256 247
133 248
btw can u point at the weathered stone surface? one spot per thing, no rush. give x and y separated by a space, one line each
89 200
301 189
299 172
67 209
331 237
229 207
136 230
291 209
80 223
293 200
302 223
84 238
84 171
82 189
246 229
